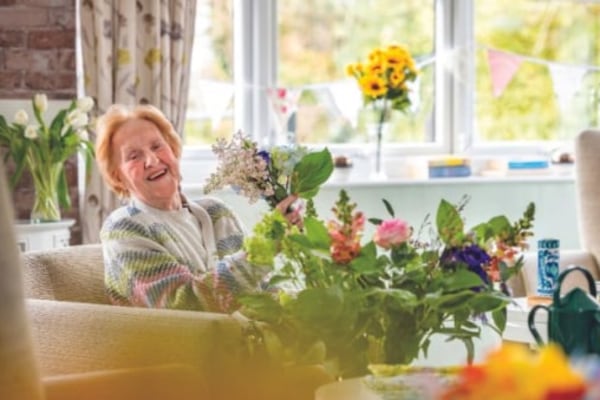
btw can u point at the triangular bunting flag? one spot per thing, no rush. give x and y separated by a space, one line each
284 103
215 99
503 67
347 99
566 80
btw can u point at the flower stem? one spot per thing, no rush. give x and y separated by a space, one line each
45 182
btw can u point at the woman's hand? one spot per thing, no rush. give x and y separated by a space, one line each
292 214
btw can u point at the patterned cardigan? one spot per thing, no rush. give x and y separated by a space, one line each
150 261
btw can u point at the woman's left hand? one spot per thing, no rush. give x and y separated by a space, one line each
292 214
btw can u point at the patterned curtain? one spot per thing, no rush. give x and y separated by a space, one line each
134 52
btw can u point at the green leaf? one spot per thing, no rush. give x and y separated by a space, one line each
462 279
388 207
448 222
310 172
261 306
499 317
63 190
317 232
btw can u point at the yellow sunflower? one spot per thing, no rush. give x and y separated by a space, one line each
373 85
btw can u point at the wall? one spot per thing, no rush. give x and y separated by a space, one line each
37 54
554 197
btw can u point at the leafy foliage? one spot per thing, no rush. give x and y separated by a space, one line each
381 301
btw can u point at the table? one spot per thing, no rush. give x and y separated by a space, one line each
43 235
349 389
517 329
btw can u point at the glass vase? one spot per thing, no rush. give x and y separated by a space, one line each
376 132
45 183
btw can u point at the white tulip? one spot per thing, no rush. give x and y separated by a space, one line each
31 132
83 134
85 104
77 119
40 102
21 117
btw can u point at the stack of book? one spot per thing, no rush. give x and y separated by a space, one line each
449 167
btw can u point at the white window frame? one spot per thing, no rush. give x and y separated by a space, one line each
255 69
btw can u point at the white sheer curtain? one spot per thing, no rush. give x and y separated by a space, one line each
133 52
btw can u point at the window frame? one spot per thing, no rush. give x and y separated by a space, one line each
255 32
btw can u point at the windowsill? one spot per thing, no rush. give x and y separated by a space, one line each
197 188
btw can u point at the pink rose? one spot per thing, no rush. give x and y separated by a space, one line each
391 232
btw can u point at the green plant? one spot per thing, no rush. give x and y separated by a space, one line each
353 304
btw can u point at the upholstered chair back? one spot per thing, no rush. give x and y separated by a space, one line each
587 167
74 273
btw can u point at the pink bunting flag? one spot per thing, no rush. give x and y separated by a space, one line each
503 67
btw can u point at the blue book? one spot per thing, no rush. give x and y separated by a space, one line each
458 171
532 164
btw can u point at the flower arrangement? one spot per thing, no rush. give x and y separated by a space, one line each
515 372
384 82
353 303
43 148
271 174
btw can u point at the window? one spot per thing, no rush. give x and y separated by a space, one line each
546 54
492 77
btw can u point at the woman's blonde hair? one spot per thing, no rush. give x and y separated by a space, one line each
108 125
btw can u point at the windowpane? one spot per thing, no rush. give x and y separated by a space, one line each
210 103
545 52
318 38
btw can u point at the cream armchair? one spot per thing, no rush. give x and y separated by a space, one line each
59 339
587 183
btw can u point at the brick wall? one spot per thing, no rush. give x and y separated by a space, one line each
37 54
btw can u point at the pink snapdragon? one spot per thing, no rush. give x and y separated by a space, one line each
391 232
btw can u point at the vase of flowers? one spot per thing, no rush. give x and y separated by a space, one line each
352 303
384 80
42 149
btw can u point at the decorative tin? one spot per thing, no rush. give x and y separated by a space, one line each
548 265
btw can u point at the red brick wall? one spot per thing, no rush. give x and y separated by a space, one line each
37 54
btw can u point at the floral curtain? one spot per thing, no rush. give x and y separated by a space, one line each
133 52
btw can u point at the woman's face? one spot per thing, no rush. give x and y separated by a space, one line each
146 165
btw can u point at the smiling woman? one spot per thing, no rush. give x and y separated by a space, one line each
161 250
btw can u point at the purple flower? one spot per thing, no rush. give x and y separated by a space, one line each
265 156
473 256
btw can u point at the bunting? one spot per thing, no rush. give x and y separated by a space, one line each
567 81
503 67
566 78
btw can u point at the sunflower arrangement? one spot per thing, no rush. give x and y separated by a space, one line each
384 80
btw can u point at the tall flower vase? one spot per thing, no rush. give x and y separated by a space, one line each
45 182
376 132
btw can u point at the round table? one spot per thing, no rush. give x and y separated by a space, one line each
349 389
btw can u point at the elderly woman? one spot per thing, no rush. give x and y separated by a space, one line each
161 250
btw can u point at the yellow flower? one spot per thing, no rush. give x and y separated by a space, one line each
383 77
373 85
517 373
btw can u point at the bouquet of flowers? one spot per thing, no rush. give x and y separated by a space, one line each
384 82
353 303
43 148
270 174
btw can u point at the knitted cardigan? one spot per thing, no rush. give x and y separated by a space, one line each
148 261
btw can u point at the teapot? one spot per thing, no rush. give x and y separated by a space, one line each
573 319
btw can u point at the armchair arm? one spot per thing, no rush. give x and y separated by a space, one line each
82 338
151 383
